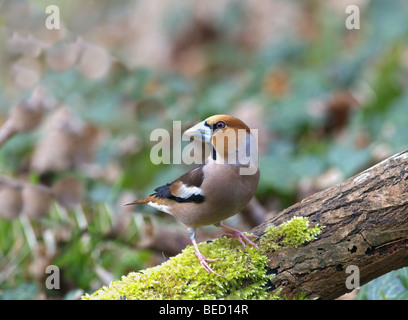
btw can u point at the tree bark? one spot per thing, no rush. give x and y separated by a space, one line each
366 225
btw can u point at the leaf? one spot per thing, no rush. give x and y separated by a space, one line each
25 291
387 287
402 275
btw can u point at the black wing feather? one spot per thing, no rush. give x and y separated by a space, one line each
163 191
194 177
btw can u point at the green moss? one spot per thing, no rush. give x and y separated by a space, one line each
288 234
182 277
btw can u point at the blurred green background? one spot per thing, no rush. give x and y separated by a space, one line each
78 104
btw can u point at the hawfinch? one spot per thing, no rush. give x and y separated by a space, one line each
219 188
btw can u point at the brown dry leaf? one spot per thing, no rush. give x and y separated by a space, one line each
26 116
339 107
62 56
168 240
36 200
26 72
94 61
11 201
68 142
68 192
28 46
276 83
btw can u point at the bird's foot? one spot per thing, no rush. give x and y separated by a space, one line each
242 238
203 261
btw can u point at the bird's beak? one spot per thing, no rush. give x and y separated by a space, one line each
200 131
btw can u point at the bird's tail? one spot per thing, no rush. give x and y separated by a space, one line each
144 200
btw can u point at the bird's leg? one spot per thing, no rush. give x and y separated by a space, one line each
242 238
203 260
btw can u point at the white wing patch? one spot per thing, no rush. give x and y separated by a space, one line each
186 192
160 207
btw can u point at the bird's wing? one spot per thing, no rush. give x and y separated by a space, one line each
187 188
184 189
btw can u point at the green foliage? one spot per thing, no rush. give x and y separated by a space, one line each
25 291
391 286
80 252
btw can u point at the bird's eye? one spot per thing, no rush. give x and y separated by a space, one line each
220 125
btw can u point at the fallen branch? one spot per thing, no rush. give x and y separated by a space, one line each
366 225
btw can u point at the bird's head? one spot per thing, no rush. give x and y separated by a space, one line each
231 139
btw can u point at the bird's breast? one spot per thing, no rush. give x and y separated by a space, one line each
226 193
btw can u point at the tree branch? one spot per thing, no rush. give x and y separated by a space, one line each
366 225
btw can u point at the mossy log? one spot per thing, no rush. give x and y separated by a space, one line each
366 225
362 222
245 273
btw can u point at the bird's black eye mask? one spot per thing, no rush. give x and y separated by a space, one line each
213 152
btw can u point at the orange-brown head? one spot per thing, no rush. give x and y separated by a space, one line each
231 138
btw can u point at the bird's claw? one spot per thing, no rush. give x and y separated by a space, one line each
203 261
242 238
